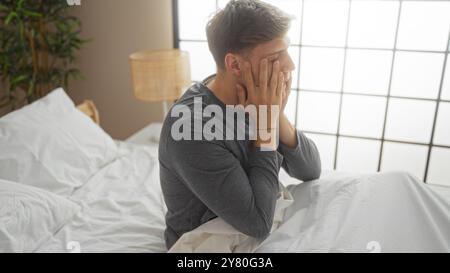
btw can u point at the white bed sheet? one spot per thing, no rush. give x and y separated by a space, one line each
383 212
380 212
122 208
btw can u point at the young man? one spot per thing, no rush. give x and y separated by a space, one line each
236 179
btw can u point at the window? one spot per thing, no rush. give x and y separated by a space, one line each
372 86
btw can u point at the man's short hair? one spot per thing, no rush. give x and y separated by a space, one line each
242 25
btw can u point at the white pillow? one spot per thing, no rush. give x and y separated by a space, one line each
30 216
52 145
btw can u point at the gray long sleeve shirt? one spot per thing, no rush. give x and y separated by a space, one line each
203 179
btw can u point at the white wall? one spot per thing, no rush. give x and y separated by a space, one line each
119 28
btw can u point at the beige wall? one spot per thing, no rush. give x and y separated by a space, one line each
118 28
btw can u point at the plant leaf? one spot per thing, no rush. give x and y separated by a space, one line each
10 16
32 13
18 79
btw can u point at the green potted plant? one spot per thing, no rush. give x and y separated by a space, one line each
39 40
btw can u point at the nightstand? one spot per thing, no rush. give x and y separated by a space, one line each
149 135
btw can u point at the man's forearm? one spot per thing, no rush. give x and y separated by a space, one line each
301 157
288 134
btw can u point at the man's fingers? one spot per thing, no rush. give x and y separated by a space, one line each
248 77
287 92
275 76
281 84
263 73
288 87
289 82
241 95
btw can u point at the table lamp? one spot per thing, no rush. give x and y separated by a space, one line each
160 75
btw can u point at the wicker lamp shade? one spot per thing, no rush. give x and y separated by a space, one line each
160 75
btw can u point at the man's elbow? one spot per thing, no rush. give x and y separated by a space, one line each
316 172
260 232
260 228
312 173
315 175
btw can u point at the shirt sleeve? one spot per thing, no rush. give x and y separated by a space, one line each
245 200
303 161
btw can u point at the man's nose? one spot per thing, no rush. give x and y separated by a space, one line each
290 65
288 68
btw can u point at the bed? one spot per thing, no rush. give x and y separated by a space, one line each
104 196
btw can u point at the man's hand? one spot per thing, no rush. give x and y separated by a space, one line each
286 93
288 133
267 93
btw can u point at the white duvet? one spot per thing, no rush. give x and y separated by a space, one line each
122 208
385 212
29 216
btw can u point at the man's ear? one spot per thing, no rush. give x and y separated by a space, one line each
233 64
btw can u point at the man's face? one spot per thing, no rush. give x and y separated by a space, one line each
274 50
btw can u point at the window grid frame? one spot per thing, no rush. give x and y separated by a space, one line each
297 89
439 100
341 92
388 96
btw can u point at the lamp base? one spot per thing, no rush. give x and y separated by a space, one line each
165 108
